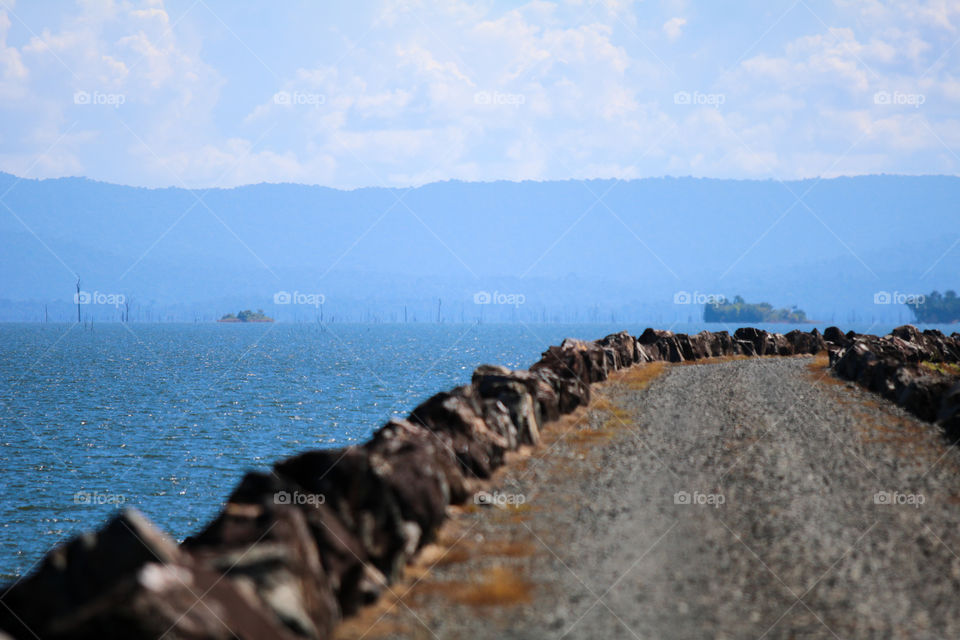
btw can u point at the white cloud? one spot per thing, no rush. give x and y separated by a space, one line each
426 90
674 27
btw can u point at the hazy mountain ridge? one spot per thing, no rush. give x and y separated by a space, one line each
372 251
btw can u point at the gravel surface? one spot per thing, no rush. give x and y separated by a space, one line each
745 499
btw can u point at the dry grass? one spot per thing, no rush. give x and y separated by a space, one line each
450 550
361 629
582 435
447 555
945 368
640 376
819 363
497 586
819 369
509 548
603 404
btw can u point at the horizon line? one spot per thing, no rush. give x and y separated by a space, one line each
18 178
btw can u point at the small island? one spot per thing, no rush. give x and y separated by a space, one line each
936 308
246 316
742 311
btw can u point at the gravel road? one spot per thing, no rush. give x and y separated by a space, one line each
744 499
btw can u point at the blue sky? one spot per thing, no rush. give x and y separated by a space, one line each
206 93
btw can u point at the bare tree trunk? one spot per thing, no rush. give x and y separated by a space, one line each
78 299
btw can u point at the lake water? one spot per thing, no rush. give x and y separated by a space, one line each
168 417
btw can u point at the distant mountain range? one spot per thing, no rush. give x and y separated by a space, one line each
651 249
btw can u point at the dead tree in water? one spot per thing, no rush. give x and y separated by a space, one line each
78 299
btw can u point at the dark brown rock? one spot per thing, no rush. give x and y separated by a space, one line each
562 363
129 581
662 345
803 342
624 344
459 415
948 416
763 343
833 335
745 347
499 420
892 366
260 502
282 566
931 345
571 392
348 484
528 398
612 359
721 344
924 394
780 345
593 356
411 468
400 433
702 344
489 378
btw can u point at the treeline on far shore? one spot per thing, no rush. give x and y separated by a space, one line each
936 308
741 311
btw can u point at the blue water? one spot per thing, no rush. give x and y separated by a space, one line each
167 418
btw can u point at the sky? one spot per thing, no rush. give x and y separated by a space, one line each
209 93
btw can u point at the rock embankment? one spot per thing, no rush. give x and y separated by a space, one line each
325 532
916 370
